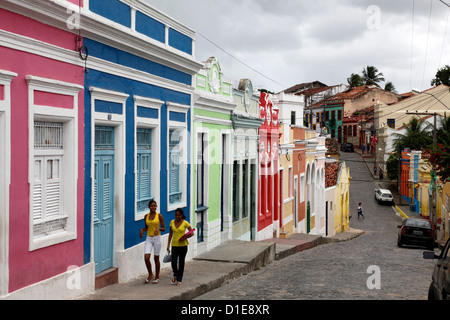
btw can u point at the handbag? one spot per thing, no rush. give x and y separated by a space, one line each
168 257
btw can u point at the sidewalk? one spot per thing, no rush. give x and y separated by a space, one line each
216 267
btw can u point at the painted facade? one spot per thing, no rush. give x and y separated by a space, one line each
331 177
298 158
269 181
342 199
245 164
445 229
291 113
212 145
138 124
314 183
41 150
287 198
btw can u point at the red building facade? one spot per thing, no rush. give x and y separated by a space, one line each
269 179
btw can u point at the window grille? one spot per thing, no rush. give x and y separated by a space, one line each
48 135
104 138
144 138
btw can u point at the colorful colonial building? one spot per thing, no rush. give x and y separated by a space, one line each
212 145
138 125
41 151
245 164
269 181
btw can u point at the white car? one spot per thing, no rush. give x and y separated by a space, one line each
383 195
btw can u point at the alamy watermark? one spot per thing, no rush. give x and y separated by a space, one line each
374 280
374 20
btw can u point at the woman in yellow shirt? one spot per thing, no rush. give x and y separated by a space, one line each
179 244
154 224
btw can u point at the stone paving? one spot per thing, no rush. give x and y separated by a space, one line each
344 270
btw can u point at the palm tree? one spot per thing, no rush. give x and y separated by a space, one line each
416 136
355 80
371 76
389 86
443 133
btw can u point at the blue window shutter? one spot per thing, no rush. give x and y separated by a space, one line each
143 172
174 167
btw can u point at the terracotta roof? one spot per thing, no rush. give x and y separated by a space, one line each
332 146
304 86
309 92
331 173
354 93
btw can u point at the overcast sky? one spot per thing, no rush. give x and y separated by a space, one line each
296 41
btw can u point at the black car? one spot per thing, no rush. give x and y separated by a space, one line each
416 232
347 146
440 284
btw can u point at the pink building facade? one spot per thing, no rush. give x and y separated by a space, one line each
41 154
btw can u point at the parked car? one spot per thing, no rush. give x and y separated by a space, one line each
440 285
383 195
416 232
347 146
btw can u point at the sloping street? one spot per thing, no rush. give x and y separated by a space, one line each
369 267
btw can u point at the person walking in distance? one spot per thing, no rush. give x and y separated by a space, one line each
360 210
179 245
154 224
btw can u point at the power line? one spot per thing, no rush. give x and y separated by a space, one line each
245 64
426 47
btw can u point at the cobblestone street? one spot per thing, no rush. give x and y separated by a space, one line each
340 270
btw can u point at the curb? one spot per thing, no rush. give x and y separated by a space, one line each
401 212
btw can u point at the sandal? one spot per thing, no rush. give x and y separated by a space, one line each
148 280
173 281
155 281
179 283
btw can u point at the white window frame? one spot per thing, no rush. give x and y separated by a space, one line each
154 125
182 128
5 176
69 167
302 187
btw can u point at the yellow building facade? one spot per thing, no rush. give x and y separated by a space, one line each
342 199
445 200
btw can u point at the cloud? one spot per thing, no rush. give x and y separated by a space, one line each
293 41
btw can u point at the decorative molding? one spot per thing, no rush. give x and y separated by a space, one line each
108 95
98 28
204 119
212 103
33 46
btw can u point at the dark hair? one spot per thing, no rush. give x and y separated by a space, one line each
179 210
150 202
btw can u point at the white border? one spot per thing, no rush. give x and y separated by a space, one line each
5 176
154 124
118 122
182 126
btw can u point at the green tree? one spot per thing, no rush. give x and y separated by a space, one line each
392 166
389 86
442 76
371 76
355 80
416 137
440 158
443 132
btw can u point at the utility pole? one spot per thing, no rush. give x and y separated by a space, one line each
433 197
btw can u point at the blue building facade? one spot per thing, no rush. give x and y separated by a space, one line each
138 96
